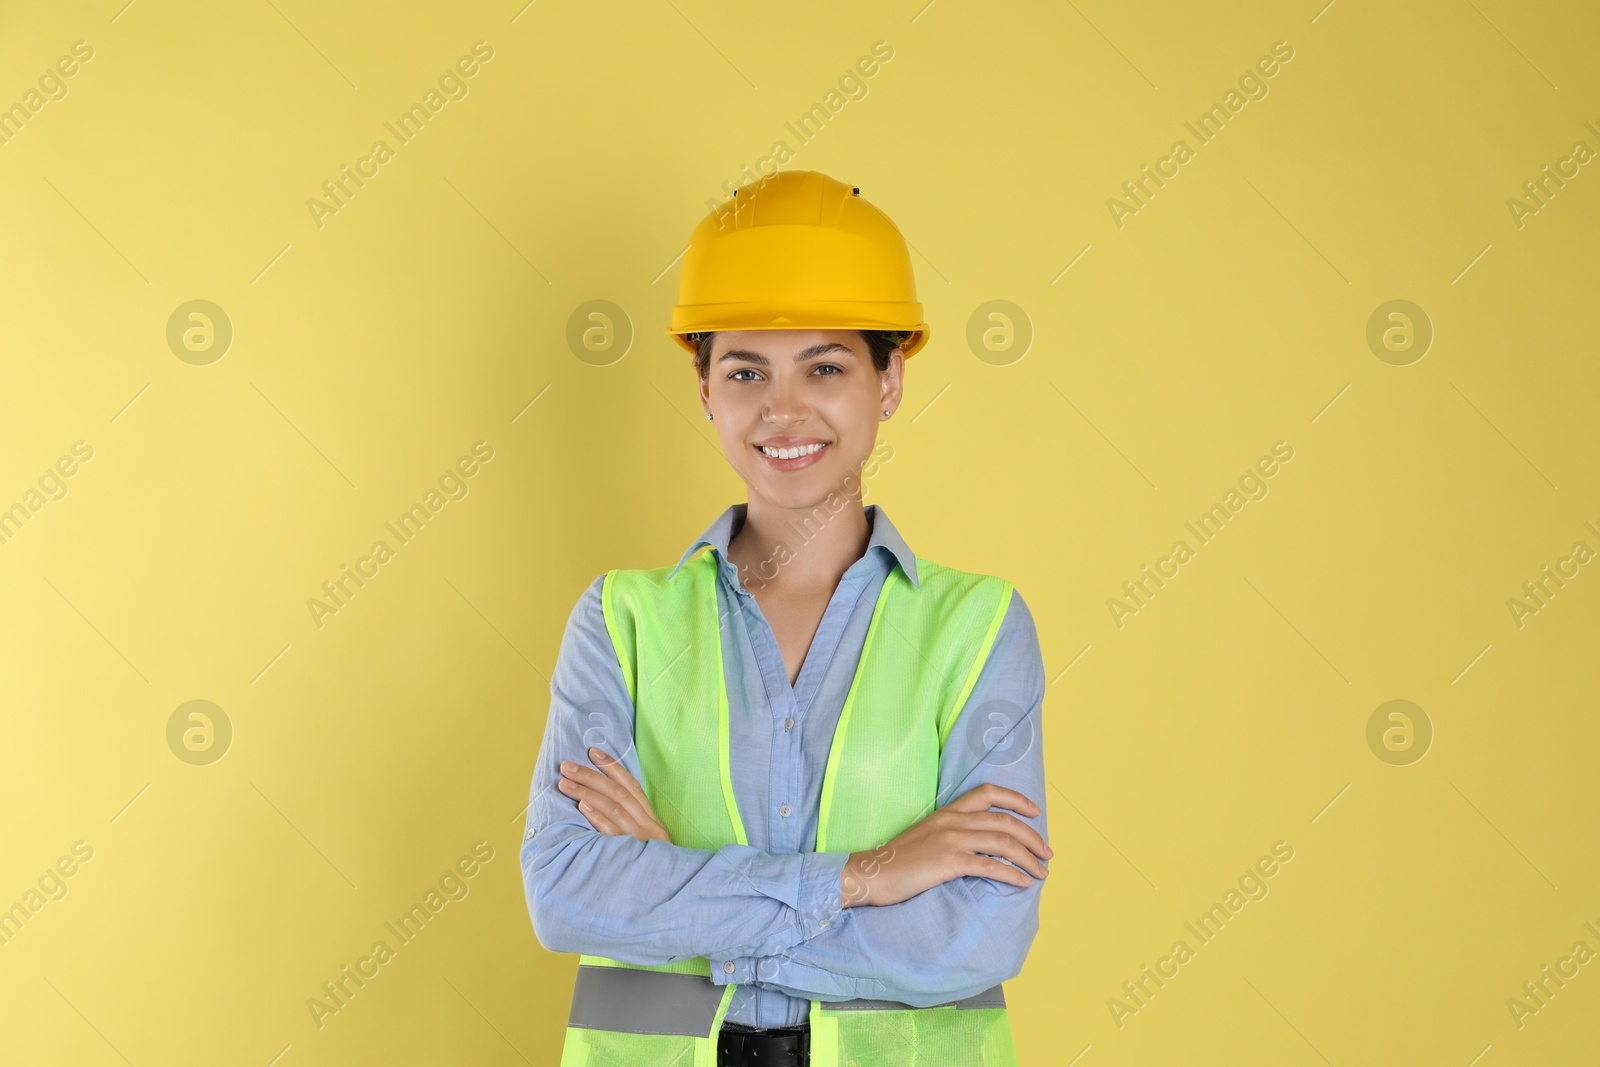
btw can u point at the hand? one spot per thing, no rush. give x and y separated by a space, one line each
961 838
613 802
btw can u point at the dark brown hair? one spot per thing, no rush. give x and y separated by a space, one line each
880 342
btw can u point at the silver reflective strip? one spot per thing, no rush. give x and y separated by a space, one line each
993 997
643 1002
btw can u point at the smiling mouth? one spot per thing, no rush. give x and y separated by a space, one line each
793 459
797 452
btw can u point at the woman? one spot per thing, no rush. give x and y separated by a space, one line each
762 810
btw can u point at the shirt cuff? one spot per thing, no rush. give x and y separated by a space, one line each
821 875
817 908
787 975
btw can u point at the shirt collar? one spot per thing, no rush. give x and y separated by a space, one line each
721 531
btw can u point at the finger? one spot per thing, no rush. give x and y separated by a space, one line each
1010 824
990 795
622 821
598 821
999 843
623 811
586 809
987 867
594 804
615 770
629 808
597 781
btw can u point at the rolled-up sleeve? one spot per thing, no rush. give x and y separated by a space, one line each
959 938
646 902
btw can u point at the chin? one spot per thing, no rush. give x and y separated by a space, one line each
795 495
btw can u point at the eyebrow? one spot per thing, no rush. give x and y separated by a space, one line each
810 353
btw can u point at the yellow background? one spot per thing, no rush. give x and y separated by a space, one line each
432 310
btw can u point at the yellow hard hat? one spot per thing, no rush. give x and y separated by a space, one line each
797 250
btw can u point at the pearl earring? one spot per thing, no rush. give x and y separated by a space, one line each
708 414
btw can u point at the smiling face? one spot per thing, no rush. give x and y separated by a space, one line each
797 411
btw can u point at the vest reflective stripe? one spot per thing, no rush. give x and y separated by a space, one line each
924 650
644 1002
604 1039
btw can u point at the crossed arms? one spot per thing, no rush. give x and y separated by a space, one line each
779 918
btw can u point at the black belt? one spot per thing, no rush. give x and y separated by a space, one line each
788 1046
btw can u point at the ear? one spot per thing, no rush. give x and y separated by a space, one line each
892 381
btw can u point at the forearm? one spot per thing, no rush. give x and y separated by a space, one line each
981 930
651 902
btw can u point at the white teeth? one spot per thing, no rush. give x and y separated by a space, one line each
790 453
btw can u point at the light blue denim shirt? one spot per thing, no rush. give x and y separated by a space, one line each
771 908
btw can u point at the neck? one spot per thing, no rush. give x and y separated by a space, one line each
798 548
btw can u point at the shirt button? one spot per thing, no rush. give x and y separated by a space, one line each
728 967
824 922
788 724
784 810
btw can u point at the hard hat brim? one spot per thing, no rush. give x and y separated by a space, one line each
833 315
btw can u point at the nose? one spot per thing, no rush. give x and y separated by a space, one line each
785 401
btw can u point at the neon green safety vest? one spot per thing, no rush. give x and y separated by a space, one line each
924 649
